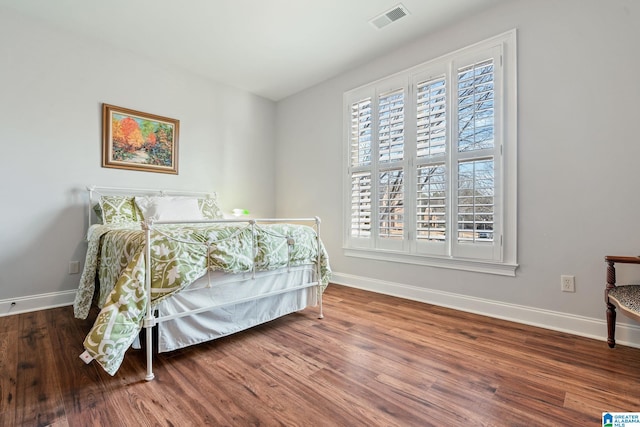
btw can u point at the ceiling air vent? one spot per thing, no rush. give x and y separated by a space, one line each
389 16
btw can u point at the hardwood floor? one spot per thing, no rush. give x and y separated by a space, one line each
374 360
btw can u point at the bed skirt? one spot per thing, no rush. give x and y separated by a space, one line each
221 288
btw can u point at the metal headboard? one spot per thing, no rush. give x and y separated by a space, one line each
101 191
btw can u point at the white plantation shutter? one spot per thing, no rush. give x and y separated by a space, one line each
475 154
431 117
390 206
426 162
361 136
431 169
391 126
475 106
391 131
475 201
361 204
431 203
476 136
361 140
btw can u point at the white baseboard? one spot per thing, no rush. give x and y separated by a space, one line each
36 302
626 334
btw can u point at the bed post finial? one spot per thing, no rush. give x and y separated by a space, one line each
90 189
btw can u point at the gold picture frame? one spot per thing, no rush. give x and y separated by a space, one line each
139 141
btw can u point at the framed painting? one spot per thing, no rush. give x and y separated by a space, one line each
139 141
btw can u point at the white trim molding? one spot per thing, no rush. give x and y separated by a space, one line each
36 302
626 334
478 266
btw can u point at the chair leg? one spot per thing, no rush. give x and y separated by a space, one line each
611 309
611 325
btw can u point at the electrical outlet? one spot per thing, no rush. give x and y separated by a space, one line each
567 283
74 267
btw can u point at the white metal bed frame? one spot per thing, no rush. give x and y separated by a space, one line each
150 320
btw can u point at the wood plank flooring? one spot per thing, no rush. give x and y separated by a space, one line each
374 360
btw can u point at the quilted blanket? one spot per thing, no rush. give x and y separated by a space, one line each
179 256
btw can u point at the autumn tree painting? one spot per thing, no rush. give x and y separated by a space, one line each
139 141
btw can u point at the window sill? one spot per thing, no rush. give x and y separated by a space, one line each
478 266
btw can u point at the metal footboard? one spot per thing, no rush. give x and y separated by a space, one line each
152 320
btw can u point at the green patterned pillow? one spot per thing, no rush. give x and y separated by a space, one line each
119 209
98 211
209 208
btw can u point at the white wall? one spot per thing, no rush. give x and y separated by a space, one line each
578 151
52 85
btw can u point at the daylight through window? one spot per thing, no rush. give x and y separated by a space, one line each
431 162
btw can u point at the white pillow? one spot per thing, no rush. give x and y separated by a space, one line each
169 208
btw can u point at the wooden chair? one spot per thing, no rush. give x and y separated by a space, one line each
626 298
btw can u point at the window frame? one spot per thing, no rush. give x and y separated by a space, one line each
500 257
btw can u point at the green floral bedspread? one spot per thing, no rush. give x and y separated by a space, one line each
179 255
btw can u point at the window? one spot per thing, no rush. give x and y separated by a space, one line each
431 162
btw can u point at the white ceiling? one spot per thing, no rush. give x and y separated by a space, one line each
273 48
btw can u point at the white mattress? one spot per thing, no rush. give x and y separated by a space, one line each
221 288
